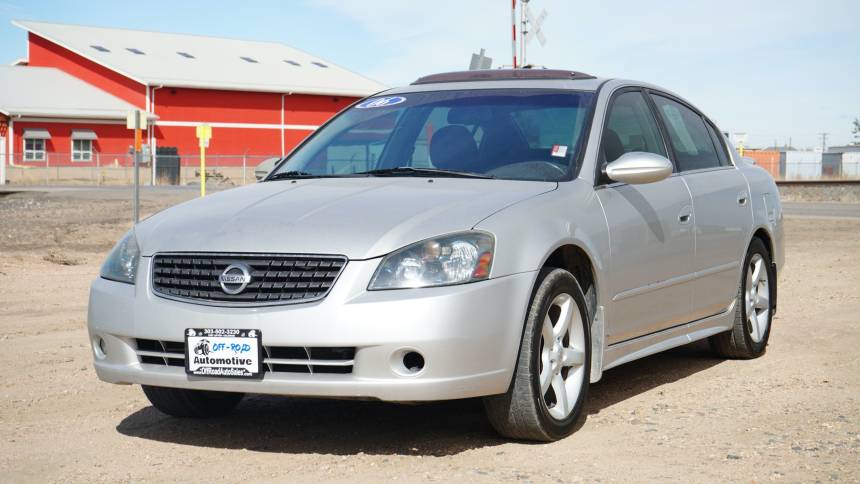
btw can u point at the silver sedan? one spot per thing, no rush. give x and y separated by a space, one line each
504 234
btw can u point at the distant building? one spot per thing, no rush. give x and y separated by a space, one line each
844 149
68 99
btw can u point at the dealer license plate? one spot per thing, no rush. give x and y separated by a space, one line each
223 352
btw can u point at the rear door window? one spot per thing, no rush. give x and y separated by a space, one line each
694 149
717 138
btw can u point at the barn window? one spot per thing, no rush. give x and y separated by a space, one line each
82 150
250 60
82 144
34 149
186 55
292 62
135 51
320 64
100 48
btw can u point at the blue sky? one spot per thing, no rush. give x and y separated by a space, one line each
775 69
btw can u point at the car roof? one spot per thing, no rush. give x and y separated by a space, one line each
524 78
503 79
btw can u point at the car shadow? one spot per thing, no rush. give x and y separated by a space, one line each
344 427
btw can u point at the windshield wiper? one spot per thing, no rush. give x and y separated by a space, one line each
292 174
413 171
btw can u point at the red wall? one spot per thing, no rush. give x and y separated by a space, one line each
178 104
112 139
769 160
212 106
182 104
228 141
44 53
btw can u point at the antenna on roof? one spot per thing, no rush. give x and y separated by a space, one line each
529 28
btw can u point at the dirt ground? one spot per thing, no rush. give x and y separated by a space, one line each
792 415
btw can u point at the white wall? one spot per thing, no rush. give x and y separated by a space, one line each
851 164
802 164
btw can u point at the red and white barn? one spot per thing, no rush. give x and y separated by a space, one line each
261 98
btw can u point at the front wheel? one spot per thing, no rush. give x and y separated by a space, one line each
180 402
551 378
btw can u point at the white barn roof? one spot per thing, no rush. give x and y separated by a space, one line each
49 92
180 60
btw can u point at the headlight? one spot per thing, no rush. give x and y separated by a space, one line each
442 261
121 263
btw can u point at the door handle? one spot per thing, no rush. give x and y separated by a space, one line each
742 198
685 215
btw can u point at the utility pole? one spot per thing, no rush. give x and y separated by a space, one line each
823 141
136 120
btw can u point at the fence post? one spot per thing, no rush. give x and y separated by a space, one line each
47 168
98 169
244 168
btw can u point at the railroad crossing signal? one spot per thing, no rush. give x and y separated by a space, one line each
480 61
534 29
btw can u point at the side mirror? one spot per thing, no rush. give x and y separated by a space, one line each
638 167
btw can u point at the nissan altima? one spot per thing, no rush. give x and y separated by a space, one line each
505 234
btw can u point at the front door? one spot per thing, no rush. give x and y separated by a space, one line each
650 231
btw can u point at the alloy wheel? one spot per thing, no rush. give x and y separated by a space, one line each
757 298
562 356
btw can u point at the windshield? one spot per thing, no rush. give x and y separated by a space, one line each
521 134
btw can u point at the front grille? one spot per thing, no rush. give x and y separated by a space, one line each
275 279
276 359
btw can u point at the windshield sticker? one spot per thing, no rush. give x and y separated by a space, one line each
559 151
381 102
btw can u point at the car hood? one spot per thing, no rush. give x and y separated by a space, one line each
360 218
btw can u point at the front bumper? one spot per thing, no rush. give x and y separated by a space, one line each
469 336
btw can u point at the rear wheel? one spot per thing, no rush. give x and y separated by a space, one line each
551 378
754 308
180 402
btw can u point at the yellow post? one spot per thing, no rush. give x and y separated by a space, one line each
204 133
202 170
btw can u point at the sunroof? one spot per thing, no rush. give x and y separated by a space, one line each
100 48
292 62
135 51
319 64
186 55
249 59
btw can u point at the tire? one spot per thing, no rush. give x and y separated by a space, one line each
525 411
749 336
179 402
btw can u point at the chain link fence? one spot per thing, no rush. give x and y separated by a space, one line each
118 169
224 170
807 165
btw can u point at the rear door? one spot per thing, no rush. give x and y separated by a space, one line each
722 213
650 230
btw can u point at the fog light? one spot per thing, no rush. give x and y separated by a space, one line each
99 347
407 362
413 362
